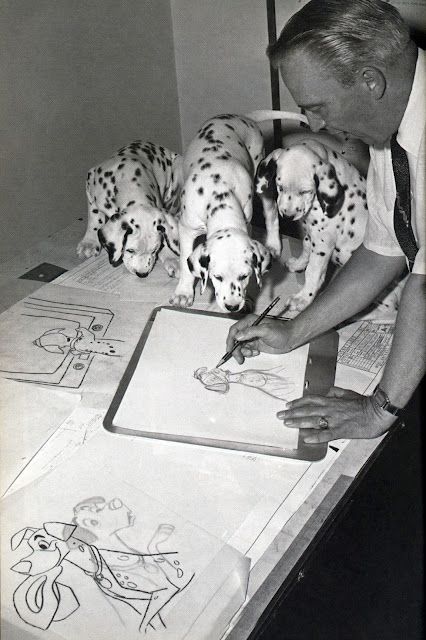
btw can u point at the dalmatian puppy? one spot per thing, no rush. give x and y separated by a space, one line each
133 208
216 201
312 183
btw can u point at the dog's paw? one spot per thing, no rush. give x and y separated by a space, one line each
296 303
88 248
274 249
171 265
295 264
182 300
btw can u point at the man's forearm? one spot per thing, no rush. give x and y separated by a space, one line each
405 366
353 288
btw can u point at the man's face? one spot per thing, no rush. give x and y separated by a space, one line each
330 104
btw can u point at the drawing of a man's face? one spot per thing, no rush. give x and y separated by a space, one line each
101 517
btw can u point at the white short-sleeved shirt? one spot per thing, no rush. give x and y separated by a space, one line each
381 191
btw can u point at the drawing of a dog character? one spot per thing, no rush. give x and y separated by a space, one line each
81 342
99 522
41 599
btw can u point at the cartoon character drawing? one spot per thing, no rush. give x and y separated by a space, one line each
146 582
69 336
77 341
273 381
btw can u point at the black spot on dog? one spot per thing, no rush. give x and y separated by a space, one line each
330 204
351 206
206 165
351 234
204 261
129 204
352 220
321 253
200 191
216 177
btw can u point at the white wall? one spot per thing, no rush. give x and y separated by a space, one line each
79 78
220 59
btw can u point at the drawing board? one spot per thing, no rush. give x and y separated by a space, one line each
171 389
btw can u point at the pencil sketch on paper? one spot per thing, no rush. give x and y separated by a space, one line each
274 382
146 582
57 342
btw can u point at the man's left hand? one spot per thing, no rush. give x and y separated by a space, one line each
347 414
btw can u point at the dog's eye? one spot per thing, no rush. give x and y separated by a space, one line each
243 277
220 278
280 188
43 546
130 250
305 192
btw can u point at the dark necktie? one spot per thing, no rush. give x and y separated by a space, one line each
402 210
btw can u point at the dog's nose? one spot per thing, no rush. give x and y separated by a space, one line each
232 307
140 274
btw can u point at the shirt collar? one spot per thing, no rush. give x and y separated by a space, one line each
413 121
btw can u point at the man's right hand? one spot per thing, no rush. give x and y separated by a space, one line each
270 336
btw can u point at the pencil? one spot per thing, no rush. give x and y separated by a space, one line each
259 319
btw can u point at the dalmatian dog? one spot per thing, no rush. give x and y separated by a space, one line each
312 183
133 208
216 201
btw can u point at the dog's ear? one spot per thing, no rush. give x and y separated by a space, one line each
261 260
18 538
51 348
265 179
330 192
198 264
113 237
168 227
60 530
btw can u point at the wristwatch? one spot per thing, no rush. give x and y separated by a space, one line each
382 400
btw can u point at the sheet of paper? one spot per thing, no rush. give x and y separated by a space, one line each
164 396
29 415
87 554
363 350
70 339
66 440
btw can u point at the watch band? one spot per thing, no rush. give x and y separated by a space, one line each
382 400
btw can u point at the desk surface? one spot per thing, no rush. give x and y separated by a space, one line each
298 536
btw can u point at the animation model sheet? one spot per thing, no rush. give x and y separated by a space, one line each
70 339
99 558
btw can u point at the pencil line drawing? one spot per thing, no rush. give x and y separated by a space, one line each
146 582
60 340
274 382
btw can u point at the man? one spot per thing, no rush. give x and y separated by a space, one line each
352 67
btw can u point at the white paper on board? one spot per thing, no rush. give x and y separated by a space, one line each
163 395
